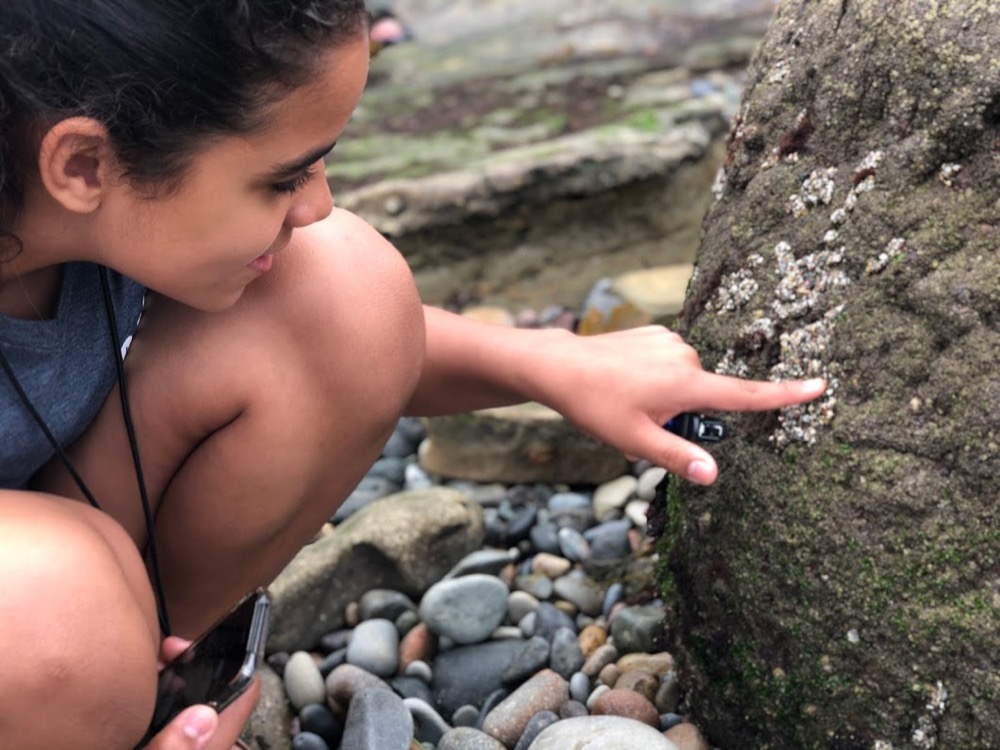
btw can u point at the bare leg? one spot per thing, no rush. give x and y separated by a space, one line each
255 424
78 632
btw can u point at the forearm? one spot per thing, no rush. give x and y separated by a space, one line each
471 365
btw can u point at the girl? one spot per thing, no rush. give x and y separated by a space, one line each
165 157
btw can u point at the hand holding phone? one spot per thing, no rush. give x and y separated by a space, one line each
217 668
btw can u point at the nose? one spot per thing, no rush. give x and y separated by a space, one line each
312 203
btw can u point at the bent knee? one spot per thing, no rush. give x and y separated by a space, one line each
78 641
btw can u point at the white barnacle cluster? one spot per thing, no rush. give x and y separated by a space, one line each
803 281
817 189
779 72
803 356
924 736
719 184
878 264
948 173
753 336
736 288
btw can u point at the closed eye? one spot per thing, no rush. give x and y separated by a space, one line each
296 183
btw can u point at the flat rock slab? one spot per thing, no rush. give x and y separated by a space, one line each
525 443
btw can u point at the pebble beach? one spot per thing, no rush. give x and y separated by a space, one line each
531 642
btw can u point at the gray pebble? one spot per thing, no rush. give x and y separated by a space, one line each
336 640
377 718
670 720
331 661
595 695
573 545
417 479
519 527
493 700
545 537
319 720
468 674
486 495
369 490
609 540
428 724
531 658
375 647
406 622
344 682
564 501
571 709
549 618
412 428
399 445
391 468
419 669
566 657
534 727
520 603
668 694
303 682
636 628
579 687
538 586
465 716
467 738
385 604
487 561
614 594
309 741
465 609
581 591
528 624
412 687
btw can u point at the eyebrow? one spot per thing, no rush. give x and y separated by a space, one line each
292 168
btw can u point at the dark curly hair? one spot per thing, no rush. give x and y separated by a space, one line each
159 74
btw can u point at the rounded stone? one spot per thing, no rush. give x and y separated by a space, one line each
428 724
579 687
591 638
566 658
465 716
646 486
613 495
601 733
309 741
303 681
687 737
519 604
547 564
534 727
546 691
375 647
465 609
599 659
636 628
627 703
319 720
467 738
573 545
581 591
385 604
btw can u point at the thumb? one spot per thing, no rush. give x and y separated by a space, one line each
191 729
675 454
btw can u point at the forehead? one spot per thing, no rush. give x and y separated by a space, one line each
307 117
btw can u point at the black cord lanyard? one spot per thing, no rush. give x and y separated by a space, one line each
161 603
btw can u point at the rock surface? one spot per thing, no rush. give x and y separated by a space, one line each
520 151
405 542
525 443
838 585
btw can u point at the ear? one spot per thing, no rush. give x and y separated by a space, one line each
75 161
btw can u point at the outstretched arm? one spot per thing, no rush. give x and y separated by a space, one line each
619 387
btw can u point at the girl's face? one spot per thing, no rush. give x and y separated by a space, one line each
242 198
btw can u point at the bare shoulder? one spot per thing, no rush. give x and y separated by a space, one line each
344 261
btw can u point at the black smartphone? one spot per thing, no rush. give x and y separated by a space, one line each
218 667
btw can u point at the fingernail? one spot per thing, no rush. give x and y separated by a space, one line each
700 471
199 725
811 385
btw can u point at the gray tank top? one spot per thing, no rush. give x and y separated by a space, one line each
65 365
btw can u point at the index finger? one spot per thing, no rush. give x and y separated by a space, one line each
727 393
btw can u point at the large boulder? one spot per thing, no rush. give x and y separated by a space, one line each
839 587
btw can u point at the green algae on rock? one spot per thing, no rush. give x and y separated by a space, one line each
839 587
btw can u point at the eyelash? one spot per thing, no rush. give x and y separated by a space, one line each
294 184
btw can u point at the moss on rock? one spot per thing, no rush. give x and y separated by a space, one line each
840 586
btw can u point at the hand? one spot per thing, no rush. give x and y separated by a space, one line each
200 727
623 387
